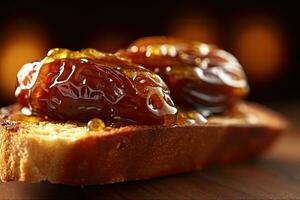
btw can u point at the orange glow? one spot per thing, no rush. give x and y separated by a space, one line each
18 46
261 49
108 43
194 28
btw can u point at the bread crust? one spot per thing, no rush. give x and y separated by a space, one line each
67 153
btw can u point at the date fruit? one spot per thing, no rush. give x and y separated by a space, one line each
198 75
86 84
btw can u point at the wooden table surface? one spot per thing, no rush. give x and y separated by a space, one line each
276 175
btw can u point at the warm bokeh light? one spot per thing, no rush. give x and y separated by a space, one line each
200 28
107 43
19 45
260 47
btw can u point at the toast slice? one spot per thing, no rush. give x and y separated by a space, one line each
35 150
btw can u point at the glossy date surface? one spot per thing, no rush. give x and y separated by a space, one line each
198 75
81 85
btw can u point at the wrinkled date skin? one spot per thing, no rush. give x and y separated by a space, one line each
198 75
81 85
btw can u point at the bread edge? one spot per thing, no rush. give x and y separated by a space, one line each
132 153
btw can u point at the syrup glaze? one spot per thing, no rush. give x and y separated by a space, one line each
81 85
109 90
198 75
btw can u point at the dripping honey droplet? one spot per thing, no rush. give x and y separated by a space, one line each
96 124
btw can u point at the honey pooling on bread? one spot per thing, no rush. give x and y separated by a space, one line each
81 85
198 75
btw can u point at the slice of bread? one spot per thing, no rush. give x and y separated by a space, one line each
34 150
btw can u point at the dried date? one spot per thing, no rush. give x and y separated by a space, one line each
81 85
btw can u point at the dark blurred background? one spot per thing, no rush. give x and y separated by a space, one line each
263 35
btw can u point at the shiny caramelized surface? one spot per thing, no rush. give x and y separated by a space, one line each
81 85
125 88
198 75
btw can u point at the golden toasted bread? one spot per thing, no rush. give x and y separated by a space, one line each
35 150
